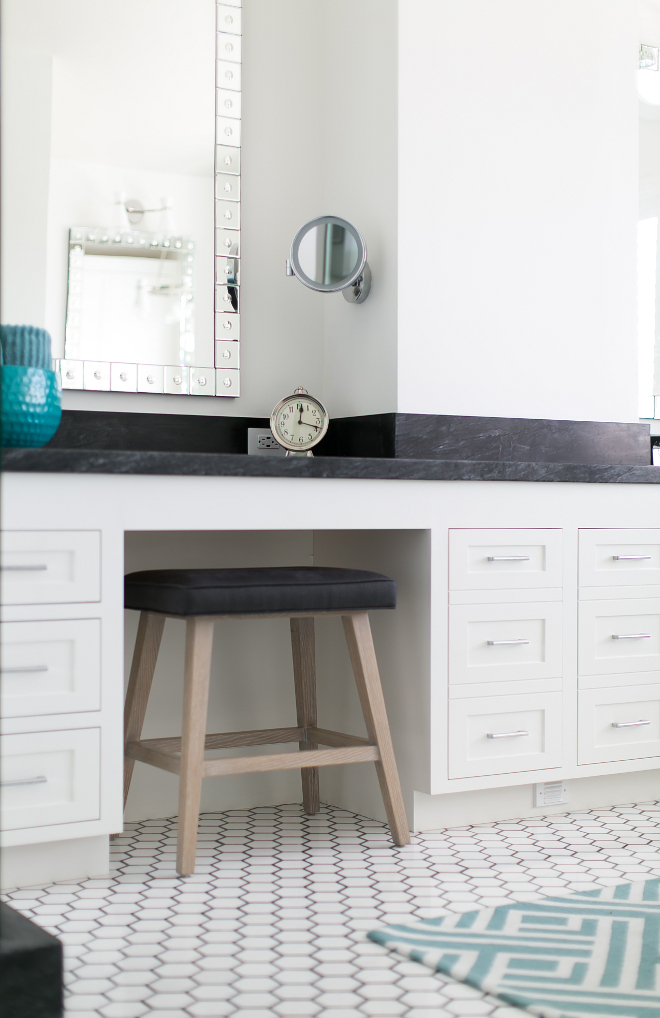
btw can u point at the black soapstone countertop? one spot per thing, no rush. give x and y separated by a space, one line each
209 464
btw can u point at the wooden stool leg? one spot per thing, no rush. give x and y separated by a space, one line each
147 645
199 647
304 674
365 667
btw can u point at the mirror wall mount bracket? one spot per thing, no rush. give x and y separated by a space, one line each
358 291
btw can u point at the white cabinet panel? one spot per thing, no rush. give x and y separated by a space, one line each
504 734
619 557
50 667
502 642
50 778
619 723
50 566
497 559
619 636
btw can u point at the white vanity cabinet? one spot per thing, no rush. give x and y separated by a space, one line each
52 695
619 645
505 651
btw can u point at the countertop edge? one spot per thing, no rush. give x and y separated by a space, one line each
95 461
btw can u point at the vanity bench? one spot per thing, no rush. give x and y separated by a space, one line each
525 649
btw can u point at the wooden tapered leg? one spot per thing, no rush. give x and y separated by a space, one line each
304 674
365 667
147 645
199 647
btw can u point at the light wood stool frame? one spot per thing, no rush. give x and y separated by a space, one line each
185 756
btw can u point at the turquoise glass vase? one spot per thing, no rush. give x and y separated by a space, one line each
31 407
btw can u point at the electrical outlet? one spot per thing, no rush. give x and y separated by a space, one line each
262 443
550 793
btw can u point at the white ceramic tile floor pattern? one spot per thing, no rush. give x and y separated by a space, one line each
274 921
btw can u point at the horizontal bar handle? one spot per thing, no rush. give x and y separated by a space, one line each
39 780
507 643
630 558
23 569
23 669
629 724
508 558
631 636
506 735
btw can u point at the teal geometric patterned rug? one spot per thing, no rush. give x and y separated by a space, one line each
594 954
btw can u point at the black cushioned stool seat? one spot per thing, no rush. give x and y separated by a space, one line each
191 592
301 593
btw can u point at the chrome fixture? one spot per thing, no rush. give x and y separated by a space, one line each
328 254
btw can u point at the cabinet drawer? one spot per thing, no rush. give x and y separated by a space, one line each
50 566
619 636
601 712
610 558
50 667
501 642
50 778
501 559
504 734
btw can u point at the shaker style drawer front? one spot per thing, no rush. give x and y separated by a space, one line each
50 778
501 559
504 734
619 723
502 642
50 566
619 636
619 557
50 667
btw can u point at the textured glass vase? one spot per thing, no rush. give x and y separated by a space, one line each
31 405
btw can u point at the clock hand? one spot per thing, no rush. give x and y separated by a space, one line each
309 425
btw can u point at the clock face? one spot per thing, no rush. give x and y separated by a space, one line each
299 422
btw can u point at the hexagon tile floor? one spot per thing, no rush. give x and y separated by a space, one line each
273 922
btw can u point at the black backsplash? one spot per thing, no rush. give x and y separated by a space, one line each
90 429
389 436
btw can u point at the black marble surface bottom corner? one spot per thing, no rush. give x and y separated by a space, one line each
30 968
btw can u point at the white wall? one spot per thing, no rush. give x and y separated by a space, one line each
517 208
360 184
26 125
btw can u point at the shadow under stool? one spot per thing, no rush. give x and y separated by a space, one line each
200 596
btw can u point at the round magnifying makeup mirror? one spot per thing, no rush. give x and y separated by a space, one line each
328 254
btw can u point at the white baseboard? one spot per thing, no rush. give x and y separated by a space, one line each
485 806
52 861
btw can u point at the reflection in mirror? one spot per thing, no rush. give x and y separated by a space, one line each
107 107
328 254
130 302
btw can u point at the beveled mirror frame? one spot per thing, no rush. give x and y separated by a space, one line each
223 377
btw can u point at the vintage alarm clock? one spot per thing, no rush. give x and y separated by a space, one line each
299 422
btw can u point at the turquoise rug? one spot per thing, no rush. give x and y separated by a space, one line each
591 954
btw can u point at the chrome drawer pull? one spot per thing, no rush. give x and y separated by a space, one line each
23 569
507 643
630 558
23 669
631 636
509 558
629 724
40 780
505 735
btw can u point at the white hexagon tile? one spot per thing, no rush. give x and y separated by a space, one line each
273 922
